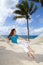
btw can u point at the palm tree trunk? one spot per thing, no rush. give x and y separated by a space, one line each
28 29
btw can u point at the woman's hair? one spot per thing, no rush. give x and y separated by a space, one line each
11 33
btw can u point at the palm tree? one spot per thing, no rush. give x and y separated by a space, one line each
39 1
24 10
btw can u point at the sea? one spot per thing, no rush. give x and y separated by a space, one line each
23 36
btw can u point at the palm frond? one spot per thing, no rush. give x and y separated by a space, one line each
21 7
17 17
35 8
24 9
20 12
41 3
25 4
31 6
35 0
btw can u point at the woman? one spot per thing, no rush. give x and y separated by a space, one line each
13 38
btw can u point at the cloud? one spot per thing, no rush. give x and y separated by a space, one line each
31 20
10 3
20 30
36 31
4 13
23 21
6 9
41 20
4 30
37 16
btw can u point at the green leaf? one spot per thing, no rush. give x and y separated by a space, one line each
36 0
31 6
25 4
20 12
25 9
34 10
17 17
41 3
21 7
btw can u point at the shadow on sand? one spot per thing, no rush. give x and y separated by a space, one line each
8 57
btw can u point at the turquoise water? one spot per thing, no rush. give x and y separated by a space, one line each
23 36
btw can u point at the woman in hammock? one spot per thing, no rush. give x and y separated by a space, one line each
12 37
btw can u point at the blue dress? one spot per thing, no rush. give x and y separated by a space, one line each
13 38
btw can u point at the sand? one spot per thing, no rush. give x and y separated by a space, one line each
15 55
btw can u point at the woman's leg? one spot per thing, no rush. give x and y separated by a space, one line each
29 48
30 54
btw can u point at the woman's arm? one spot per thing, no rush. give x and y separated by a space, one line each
20 38
9 42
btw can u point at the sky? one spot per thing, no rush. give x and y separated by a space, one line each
7 23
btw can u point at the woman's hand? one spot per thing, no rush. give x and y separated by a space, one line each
22 39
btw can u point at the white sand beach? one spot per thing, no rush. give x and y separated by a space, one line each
15 55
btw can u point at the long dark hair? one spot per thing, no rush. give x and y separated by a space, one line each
11 33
